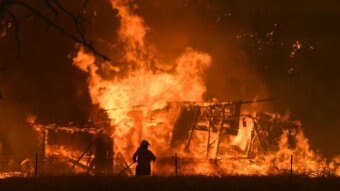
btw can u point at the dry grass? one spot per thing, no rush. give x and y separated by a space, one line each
230 183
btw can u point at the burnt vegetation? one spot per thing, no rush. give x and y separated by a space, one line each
236 183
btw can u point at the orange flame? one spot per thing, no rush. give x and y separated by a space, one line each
131 102
143 88
137 104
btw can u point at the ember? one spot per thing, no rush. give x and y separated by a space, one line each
164 101
165 105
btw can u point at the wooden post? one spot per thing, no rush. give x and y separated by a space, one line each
113 155
220 132
43 153
187 146
176 164
36 165
208 144
291 165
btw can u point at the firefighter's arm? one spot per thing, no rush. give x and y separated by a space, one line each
134 158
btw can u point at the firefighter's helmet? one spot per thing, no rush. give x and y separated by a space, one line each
144 143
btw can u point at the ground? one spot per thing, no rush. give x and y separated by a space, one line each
230 183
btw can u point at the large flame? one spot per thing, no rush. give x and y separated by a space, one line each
142 87
131 98
141 100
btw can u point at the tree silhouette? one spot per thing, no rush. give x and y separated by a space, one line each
48 14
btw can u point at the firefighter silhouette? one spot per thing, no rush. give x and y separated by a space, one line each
143 156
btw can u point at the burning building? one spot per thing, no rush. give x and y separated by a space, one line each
163 102
207 137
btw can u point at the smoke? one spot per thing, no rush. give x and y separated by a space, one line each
251 45
177 25
16 136
246 62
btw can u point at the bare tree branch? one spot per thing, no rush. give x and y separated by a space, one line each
50 6
55 7
77 19
16 29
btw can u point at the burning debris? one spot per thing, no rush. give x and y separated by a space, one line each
210 138
163 103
